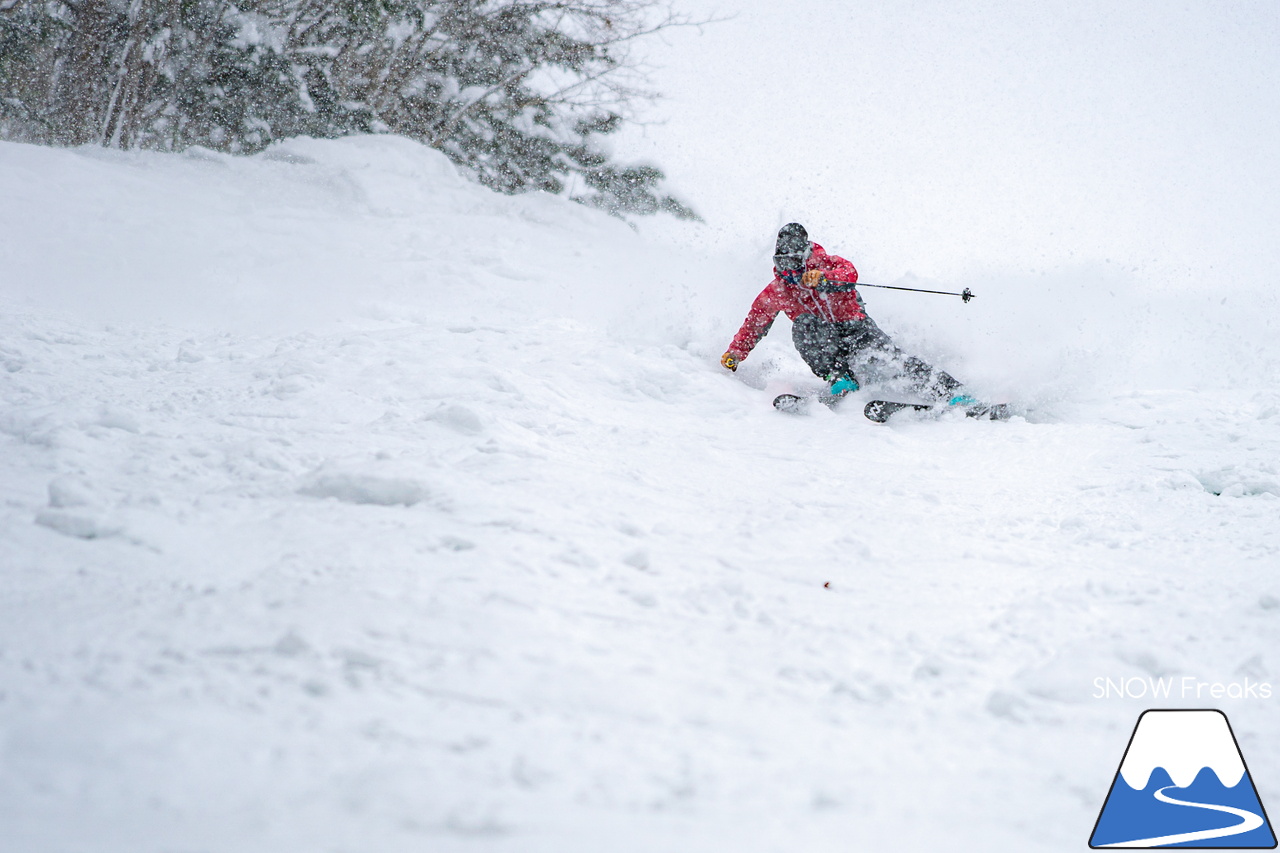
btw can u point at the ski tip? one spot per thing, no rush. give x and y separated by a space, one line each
878 411
789 403
881 410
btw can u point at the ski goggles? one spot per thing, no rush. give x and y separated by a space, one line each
790 262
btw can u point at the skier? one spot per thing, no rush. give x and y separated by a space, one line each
830 326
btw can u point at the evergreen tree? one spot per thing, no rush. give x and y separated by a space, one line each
518 92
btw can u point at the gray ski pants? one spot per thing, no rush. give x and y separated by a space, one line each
861 349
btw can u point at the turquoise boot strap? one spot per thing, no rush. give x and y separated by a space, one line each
844 385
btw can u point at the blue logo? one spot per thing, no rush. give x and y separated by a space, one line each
1183 783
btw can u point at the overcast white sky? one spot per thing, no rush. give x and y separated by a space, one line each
940 137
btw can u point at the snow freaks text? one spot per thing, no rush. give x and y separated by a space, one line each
1185 687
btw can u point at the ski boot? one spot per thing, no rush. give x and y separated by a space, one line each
840 387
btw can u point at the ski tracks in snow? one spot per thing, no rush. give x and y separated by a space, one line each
497 553
502 560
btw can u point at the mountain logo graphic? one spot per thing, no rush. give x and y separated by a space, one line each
1183 783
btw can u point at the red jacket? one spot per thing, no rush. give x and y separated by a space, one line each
796 299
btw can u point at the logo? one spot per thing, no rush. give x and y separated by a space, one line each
1183 783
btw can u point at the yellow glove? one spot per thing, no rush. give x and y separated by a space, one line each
813 278
730 361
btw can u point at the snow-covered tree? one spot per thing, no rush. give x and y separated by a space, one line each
519 92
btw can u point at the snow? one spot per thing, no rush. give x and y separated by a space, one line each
350 506
942 138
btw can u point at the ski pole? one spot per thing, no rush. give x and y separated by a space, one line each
965 295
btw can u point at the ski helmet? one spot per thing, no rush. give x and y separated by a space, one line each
793 248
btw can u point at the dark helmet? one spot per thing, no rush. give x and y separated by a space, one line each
793 248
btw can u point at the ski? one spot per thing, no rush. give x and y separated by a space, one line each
881 410
792 404
798 404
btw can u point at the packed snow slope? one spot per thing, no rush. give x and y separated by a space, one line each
347 506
